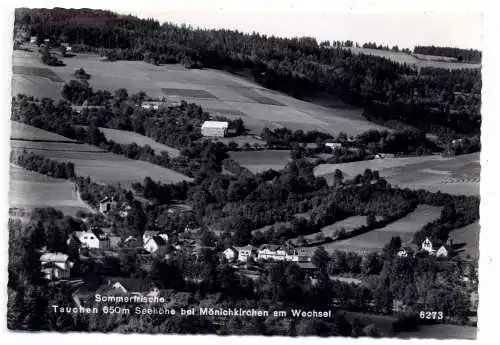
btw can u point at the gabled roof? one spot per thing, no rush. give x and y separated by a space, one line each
150 233
136 285
160 241
99 233
247 247
215 124
54 257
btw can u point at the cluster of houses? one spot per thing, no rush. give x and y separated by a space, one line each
441 250
267 252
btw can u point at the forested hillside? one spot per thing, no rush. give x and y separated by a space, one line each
435 100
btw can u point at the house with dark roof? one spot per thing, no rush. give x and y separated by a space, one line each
154 244
106 205
404 252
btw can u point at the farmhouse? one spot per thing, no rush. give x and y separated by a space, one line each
55 266
154 244
214 128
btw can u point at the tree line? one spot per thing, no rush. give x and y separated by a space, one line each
298 66
462 55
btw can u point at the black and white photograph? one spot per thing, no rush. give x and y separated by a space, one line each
253 170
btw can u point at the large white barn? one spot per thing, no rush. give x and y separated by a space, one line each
214 128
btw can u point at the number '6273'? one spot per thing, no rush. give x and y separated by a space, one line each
431 315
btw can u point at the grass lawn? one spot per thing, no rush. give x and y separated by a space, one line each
259 161
29 189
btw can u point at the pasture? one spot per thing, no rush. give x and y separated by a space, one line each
348 224
218 90
418 60
29 189
259 161
466 240
103 167
455 175
375 240
126 137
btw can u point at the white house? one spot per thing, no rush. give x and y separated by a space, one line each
443 251
86 239
246 252
33 39
272 252
104 241
150 234
55 266
107 204
128 286
404 252
427 246
154 244
230 254
153 104
333 146
214 128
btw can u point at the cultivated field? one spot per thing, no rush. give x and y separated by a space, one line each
217 90
259 161
376 239
126 137
101 166
418 60
456 175
466 240
28 189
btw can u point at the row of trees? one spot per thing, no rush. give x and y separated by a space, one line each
465 55
43 165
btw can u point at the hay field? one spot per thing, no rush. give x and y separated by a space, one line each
101 166
376 239
29 189
259 161
25 132
418 60
210 88
455 175
466 240
126 137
